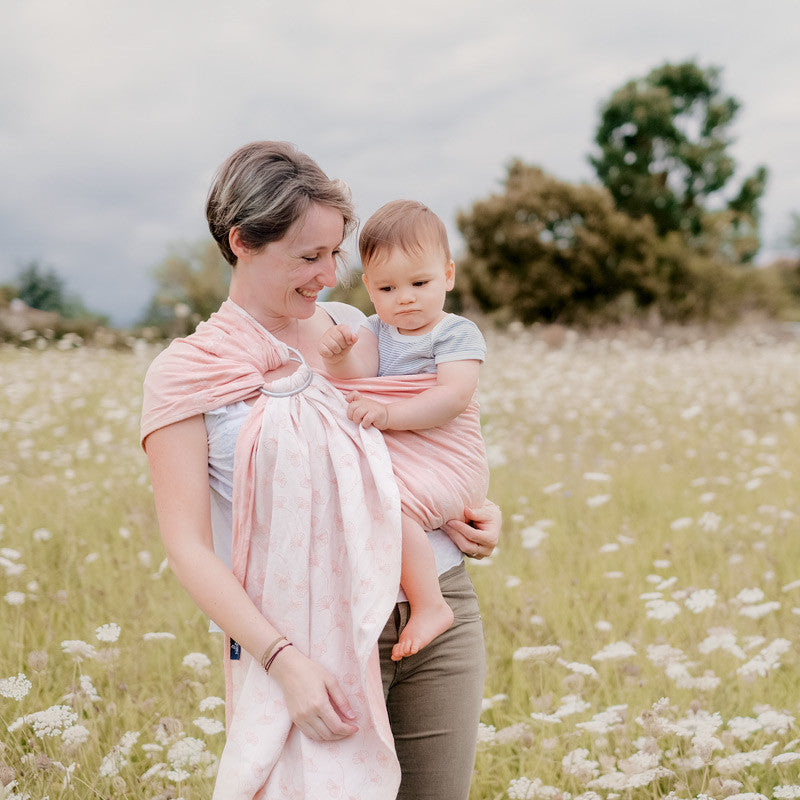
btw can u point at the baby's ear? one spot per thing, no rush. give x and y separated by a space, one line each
450 275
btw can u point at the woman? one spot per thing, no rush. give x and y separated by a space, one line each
291 546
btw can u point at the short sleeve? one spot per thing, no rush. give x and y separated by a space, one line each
459 339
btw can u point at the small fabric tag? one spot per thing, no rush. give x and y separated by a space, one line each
236 651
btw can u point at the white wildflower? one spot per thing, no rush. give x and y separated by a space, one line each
742 761
15 687
209 726
604 626
743 727
86 691
547 652
78 649
118 757
597 500
15 598
212 702
754 595
614 652
599 477
532 536
785 758
553 488
786 791
609 547
580 669
721 639
178 775
681 524
486 703
580 766
154 636
709 521
186 752
760 610
50 722
698 723
701 600
774 721
605 721
767 659
512 581
196 661
571 704
75 735
487 734
662 610
108 632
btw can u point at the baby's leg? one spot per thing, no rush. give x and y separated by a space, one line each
430 614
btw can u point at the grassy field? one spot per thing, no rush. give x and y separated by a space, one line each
642 611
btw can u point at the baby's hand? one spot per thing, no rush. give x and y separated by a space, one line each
336 342
366 413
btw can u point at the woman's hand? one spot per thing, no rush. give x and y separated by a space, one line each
314 699
478 536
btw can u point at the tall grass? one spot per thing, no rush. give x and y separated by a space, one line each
642 610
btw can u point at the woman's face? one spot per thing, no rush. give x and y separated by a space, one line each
282 280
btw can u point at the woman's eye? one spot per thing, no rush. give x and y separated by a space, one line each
310 259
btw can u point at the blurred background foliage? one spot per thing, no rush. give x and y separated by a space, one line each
668 233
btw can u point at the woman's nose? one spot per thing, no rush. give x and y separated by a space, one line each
327 273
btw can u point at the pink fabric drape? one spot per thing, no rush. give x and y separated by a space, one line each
441 470
315 543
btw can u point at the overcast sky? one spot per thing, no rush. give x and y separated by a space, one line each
115 115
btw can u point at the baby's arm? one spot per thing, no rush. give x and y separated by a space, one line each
348 354
455 386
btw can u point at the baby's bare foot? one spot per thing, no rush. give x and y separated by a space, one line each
423 626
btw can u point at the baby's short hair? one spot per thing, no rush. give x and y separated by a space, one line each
406 224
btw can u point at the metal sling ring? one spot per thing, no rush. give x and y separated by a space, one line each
298 357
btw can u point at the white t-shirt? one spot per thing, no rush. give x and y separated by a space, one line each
223 425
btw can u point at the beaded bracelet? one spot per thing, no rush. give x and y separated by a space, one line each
275 655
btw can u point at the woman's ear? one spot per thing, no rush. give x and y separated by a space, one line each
235 241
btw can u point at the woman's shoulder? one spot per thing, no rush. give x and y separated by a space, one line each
342 313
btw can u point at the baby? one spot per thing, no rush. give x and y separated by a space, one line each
408 271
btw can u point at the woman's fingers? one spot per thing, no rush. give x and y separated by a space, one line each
314 699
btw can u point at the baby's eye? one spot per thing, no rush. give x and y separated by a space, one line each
419 283
384 288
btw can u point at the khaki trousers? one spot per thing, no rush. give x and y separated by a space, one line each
434 697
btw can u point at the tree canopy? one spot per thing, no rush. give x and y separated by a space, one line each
191 283
664 151
551 250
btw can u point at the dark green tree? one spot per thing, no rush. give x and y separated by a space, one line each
546 250
41 288
664 151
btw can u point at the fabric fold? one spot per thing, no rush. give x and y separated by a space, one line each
440 471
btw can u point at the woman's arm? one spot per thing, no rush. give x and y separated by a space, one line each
478 536
178 457
456 382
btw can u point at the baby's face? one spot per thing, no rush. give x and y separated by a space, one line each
408 289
